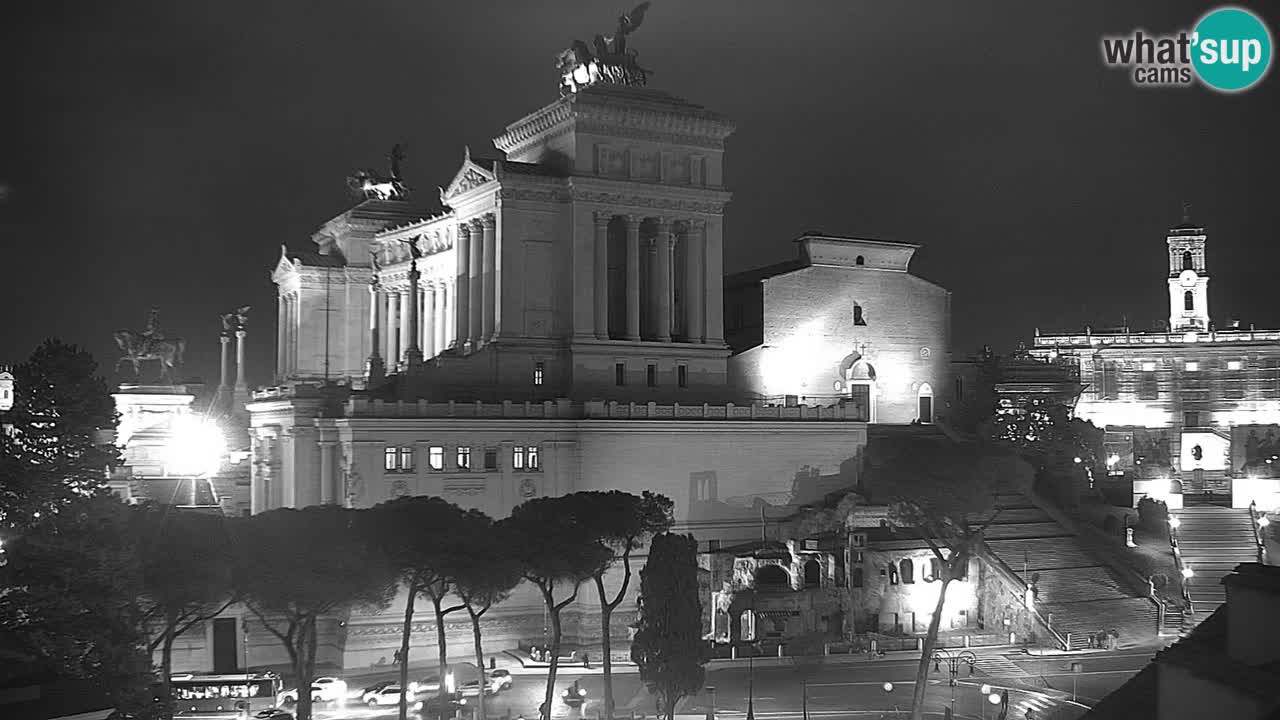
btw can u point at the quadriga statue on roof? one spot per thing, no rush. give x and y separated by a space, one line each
368 184
606 60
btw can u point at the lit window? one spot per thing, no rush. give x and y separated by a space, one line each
538 369
435 457
1148 367
1192 366
651 375
464 458
406 459
1233 364
524 457
682 376
490 459
398 458
389 459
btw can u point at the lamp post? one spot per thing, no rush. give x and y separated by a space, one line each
954 661
888 689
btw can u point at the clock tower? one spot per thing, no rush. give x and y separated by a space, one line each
1188 279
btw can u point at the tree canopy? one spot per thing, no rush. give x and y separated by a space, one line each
60 445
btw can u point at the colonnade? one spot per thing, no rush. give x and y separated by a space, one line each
390 315
287 325
670 279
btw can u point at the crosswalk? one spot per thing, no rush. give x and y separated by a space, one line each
999 666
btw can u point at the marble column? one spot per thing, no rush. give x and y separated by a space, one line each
462 298
694 295
282 340
406 323
242 385
412 300
445 327
602 274
393 328
292 366
224 390
490 269
375 370
714 276
633 277
426 311
328 487
475 286
661 284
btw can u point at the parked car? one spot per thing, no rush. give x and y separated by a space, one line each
323 689
366 693
500 680
273 714
388 695
428 684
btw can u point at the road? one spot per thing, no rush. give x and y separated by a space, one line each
1044 685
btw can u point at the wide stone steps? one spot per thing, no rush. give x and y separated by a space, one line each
1133 617
1025 530
1078 585
1213 541
1041 553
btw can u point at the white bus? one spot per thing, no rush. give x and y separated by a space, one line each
224 696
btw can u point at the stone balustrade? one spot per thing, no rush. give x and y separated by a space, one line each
596 410
1175 338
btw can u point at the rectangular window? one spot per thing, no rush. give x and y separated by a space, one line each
389 459
682 376
1191 419
517 457
651 375
1110 384
435 457
1192 366
1148 367
406 459
620 374
490 459
1233 364
531 457
959 394
1148 387
538 369
464 458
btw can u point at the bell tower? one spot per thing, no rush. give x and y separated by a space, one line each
1188 278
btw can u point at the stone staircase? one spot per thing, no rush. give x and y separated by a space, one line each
1077 593
1213 541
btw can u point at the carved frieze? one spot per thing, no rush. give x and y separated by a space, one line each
464 486
656 203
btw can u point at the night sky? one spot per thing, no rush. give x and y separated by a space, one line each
158 153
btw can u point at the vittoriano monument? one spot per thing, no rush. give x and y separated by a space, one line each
606 60
150 344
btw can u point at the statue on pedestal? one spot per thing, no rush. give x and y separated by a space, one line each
150 344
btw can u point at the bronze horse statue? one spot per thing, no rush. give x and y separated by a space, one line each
137 347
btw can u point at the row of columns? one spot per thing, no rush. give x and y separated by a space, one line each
395 312
287 334
476 281
699 261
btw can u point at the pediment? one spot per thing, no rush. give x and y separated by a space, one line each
470 176
284 266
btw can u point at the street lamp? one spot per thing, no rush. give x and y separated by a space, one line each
954 661
1174 522
888 688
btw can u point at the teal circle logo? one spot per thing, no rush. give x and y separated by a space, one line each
1231 49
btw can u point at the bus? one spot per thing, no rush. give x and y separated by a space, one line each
237 696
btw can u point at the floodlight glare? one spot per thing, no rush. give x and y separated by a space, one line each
195 446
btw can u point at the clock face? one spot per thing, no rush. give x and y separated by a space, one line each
1187 278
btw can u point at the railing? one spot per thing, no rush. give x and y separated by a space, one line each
1154 338
1182 572
564 409
1256 523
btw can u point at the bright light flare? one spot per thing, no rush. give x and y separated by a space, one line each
1263 521
994 698
1188 573
986 690
1174 522
196 446
888 687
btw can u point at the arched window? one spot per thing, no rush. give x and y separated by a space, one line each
812 574
859 260
1188 262
908 570
857 577
858 319
1188 301
772 577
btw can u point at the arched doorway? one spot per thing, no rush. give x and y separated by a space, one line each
860 384
812 574
924 401
772 577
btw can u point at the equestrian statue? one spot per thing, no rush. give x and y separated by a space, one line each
150 344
